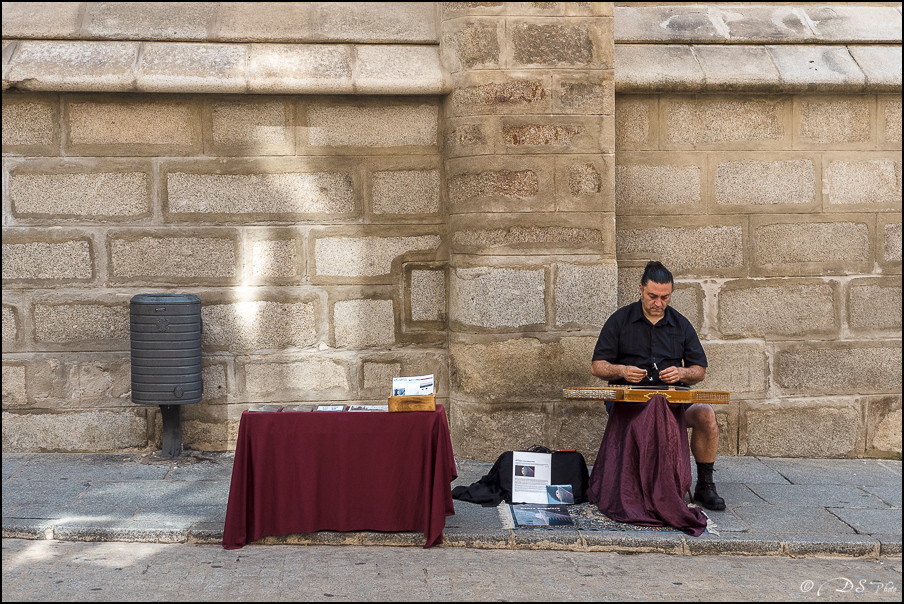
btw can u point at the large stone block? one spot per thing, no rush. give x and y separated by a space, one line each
803 428
82 323
428 295
481 431
554 44
59 260
578 425
765 183
778 309
640 186
178 21
497 298
519 369
801 247
891 242
258 126
195 68
471 45
98 195
883 426
649 68
839 368
399 70
501 184
284 194
871 181
85 431
584 183
833 120
300 69
372 126
506 95
307 379
589 93
890 125
259 325
551 135
738 367
725 121
406 192
276 259
173 259
54 20
98 384
15 391
742 68
400 22
585 294
636 121
534 234
264 22
80 66
363 323
365 256
703 250
10 324
29 124
874 305
140 127
815 67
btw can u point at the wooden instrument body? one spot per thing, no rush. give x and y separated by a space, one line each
634 394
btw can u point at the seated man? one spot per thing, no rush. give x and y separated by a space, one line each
646 343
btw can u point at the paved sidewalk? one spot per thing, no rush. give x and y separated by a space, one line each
848 507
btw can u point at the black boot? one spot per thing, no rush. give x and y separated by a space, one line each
705 491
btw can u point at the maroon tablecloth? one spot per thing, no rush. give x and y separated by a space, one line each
302 472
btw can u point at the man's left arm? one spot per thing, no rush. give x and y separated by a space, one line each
689 375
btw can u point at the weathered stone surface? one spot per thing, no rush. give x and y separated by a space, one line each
92 195
686 249
497 297
519 369
362 323
384 69
537 44
876 181
834 120
756 182
27 122
74 432
406 192
892 242
738 367
471 45
14 387
258 325
82 323
521 236
263 125
881 64
275 193
379 376
428 295
300 68
709 121
584 179
543 135
402 22
53 20
158 257
174 67
589 94
883 425
636 118
834 428
311 378
892 122
585 294
649 68
849 367
372 126
732 67
365 256
578 425
264 22
481 431
874 304
789 243
57 260
179 21
777 309
648 185
495 97
275 258
518 184
10 324
77 66
138 125
812 67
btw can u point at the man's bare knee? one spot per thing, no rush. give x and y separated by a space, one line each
702 417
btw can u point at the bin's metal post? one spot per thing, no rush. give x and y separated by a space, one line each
172 431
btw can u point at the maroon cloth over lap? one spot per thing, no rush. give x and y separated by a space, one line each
341 471
643 468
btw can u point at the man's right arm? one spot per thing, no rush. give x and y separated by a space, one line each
607 371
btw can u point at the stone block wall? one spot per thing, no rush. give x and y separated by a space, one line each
780 216
313 229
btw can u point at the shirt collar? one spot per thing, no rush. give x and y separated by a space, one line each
637 314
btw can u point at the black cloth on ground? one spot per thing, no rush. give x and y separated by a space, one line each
567 467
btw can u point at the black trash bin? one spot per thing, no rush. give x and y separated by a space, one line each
165 332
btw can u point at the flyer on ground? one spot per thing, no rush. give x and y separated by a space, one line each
531 474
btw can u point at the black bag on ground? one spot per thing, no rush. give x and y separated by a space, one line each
568 467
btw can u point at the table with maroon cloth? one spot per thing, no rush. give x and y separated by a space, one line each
302 472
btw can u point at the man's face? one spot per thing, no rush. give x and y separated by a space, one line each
655 298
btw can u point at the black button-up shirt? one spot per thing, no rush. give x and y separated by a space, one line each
628 338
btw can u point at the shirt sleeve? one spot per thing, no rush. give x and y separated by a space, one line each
693 350
607 344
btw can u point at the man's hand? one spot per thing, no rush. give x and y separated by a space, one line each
671 375
633 374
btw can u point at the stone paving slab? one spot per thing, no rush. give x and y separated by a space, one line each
871 521
855 472
791 519
821 495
